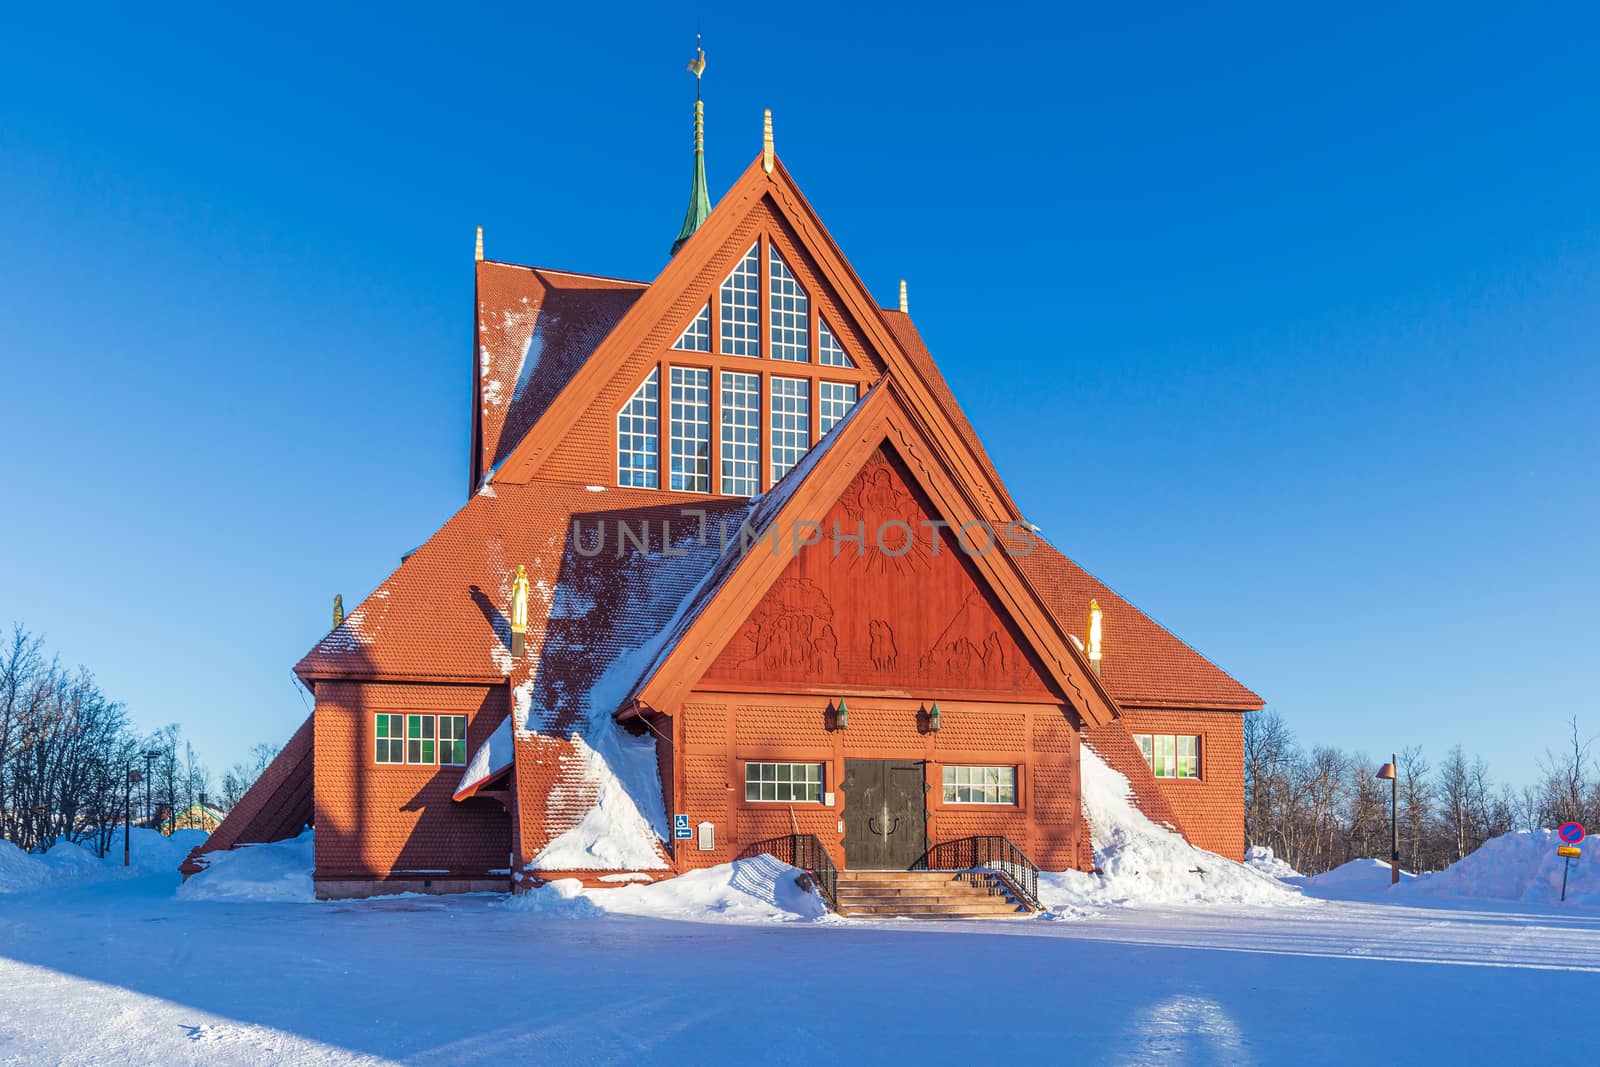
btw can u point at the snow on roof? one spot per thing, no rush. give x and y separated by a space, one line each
492 757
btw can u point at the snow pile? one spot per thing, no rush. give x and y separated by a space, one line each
613 832
1357 878
1142 863
67 863
756 890
1263 859
1519 866
279 871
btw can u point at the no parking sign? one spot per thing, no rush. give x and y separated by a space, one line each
1571 833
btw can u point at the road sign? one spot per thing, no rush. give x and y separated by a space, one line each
1569 851
680 828
1571 833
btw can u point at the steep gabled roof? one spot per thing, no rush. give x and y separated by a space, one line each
535 328
742 579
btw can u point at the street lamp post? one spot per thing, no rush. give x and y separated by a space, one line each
150 757
127 810
1388 771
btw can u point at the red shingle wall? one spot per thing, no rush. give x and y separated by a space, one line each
723 731
1211 808
377 820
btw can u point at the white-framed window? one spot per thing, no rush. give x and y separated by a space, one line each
390 733
791 423
419 739
741 433
740 307
790 312
696 337
1171 755
792 782
980 785
690 404
829 352
452 740
834 401
638 423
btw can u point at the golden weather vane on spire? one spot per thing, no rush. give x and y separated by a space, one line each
699 198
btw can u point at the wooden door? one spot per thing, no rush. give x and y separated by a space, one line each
885 814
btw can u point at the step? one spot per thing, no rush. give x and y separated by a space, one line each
947 911
923 887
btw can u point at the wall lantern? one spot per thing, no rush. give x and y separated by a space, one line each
841 715
933 718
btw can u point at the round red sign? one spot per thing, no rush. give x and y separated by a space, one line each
1570 832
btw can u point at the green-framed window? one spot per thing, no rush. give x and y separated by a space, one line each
390 747
452 740
980 785
419 739
793 782
1171 755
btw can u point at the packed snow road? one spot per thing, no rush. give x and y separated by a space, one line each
124 971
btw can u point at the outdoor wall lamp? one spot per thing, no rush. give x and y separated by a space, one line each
933 718
841 715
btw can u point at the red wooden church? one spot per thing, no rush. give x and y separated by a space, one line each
735 575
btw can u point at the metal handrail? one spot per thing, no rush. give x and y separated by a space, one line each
806 852
992 852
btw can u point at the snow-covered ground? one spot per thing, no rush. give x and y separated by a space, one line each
1175 956
126 970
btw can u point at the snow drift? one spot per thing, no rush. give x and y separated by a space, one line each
67 863
1142 863
760 889
1263 859
279 871
1521 866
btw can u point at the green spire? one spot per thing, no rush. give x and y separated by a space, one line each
699 198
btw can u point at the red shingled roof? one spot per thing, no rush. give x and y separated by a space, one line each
278 806
536 327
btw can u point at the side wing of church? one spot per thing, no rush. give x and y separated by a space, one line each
735 575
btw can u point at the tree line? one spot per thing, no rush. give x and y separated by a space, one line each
66 750
1318 807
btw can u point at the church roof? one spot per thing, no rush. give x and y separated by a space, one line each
535 328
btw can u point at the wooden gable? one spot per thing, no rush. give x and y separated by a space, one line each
575 440
886 601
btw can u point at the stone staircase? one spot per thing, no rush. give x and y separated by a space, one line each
926 895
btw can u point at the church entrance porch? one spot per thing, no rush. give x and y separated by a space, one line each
885 814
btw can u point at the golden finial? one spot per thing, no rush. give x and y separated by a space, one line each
905 305
519 610
1094 635
697 65
338 610
766 140
477 252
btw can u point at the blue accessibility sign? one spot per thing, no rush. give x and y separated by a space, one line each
1570 832
680 827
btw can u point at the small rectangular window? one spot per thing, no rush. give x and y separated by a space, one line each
390 733
792 782
1170 755
980 785
419 739
452 740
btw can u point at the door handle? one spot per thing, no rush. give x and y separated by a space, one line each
872 824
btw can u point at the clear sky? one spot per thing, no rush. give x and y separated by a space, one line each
1284 323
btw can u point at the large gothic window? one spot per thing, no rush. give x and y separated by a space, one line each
790 312
741 434
637 441
739 306
829 352
696 336
791 423
691 429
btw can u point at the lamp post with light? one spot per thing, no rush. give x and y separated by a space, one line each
1389 773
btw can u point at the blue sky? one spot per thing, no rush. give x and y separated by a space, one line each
1282 323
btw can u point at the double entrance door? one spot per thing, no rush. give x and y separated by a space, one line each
885 814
